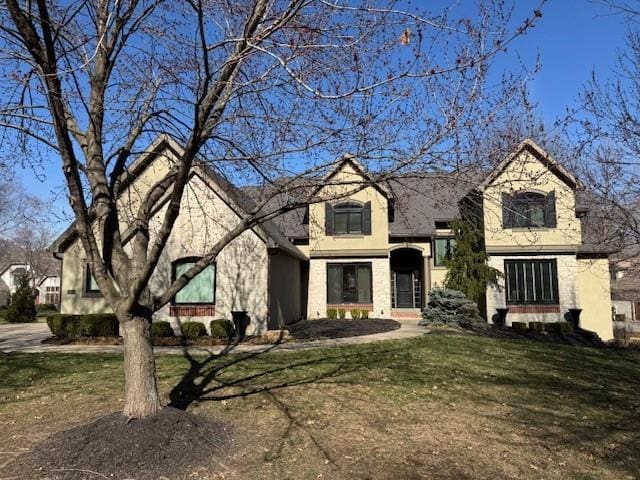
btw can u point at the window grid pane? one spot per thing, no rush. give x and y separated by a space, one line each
348 283
531 281
201 287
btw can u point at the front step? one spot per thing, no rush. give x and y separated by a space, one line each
406 315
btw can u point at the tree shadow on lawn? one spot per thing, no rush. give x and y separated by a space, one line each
581 399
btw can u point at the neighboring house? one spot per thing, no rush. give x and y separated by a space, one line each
10 276
378 247
625 290
48 290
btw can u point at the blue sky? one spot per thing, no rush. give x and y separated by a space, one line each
573 38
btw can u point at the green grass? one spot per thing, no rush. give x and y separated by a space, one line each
432 407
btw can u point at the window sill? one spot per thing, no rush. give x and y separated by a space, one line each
92 294
439 267
350 306
530 229
348 235
193 310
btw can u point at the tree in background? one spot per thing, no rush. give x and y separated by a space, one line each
260 90
22 308
468 268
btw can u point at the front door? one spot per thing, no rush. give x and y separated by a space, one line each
404 290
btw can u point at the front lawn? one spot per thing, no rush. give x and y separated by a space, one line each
439 406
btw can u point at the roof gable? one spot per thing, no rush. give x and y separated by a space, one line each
528 145
350 160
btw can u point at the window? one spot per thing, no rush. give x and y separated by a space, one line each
90 284
348 283
443 250
200 289
348 218
531 281
529 209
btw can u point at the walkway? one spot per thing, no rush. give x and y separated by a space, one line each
27 338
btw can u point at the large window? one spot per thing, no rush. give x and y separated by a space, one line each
529 209
443 250
200 289
531 281
90 284
348 283
347 218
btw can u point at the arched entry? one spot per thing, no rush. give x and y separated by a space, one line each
407 278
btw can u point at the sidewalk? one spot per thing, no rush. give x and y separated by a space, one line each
27 337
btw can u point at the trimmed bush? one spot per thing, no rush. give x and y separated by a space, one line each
161 329
342 313
76 326
364 314
519 327
355 314
559 328
536 326
332 313
221 328
448 306
193 330
46 307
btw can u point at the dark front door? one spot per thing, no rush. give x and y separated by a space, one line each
404 290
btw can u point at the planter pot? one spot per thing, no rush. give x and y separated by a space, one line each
574 317
240 324
500 318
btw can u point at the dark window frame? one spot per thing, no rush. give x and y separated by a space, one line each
179 261
86 290
538 285
369 265
348 209
449 252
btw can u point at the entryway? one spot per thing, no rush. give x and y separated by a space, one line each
406 279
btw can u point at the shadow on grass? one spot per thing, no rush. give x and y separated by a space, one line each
582 399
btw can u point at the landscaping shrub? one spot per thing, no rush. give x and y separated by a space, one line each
46 307
76 326
536 326
448 306
193 330
519 327
355 313
342 313
332 313
559 328
364 314
22 308
161 329
221 328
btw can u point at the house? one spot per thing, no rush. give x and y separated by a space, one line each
625 287
10 276
369 245
48 290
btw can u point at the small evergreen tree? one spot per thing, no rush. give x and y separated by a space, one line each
23 306
468 270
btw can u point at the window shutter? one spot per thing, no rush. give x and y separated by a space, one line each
550 211
507 211
328 219
366 219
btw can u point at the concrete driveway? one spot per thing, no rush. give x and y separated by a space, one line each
27 338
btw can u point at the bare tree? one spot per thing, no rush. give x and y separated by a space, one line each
259 89
17 208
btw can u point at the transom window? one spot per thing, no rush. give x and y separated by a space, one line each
529 209
531 281
200 289
348 283
443 250
347 218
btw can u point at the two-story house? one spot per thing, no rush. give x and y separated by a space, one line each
370 245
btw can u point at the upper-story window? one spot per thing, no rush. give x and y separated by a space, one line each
529 209
348 218
443 250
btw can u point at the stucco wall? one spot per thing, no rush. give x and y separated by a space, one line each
567 289
241 267
595 296
381 286
528 173
284 290
342 183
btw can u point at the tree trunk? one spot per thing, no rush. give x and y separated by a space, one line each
141 389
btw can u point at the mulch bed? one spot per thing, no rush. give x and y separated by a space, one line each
337 328
577 338
304 330
171 445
